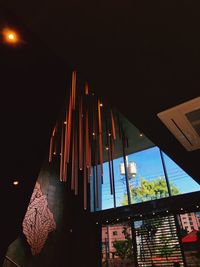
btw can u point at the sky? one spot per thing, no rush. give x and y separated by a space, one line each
149 166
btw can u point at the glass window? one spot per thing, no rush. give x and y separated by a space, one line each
107 197
146 179
115 233
182 183
149 182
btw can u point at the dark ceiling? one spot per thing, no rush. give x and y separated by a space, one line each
143 56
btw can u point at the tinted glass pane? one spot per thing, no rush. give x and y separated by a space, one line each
180 181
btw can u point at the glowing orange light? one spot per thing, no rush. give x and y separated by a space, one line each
15 183
10 36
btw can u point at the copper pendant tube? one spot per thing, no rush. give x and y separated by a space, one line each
54 140
110 171
89 161
80 133
55 146
85 183
100 141
125 167
73 90
76 163
112 168
73 159
119 125
51 149
66 139
96 181
113 125
108 153
87 146
86 140
68 135
62 151
65 143
86 88
94 122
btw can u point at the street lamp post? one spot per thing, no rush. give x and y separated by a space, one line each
129 170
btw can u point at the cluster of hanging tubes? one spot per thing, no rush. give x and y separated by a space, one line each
80 136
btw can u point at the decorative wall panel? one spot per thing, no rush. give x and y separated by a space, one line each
38 221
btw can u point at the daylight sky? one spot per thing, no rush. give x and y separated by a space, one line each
149 167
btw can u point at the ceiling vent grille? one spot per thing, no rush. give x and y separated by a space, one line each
184 123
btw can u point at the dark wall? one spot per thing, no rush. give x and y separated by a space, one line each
75 242
30 76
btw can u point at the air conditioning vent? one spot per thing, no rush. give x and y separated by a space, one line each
184 123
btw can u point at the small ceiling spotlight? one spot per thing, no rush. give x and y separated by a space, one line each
65 122
140 215
129 218
107 221
153 213
107 148
117 219
109 134
181 208
141 134
167 211
11 36
101 104
197 206
97 223
15 183
93 133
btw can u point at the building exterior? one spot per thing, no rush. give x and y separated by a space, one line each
110 234
189 221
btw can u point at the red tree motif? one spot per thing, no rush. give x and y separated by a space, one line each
38 221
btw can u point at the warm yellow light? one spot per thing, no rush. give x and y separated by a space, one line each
10 36
15 183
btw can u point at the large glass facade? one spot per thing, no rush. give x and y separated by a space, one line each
179 178
147 179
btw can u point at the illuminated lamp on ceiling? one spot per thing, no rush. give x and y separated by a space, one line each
11 36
